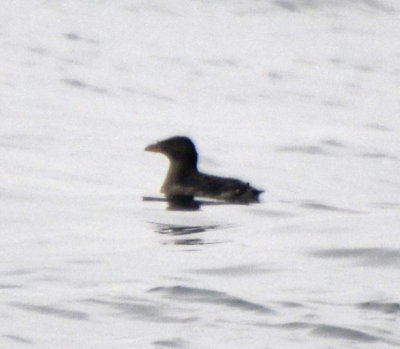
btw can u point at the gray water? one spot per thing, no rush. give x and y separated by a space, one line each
300 98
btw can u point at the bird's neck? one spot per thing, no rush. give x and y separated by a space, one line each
180 168
177 172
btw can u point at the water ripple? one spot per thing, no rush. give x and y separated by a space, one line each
200 295
18 339
183 230
342 332
48 310
171 343
373 257
323 207
139 310
384 307
236 270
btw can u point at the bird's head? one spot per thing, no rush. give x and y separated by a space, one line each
178 148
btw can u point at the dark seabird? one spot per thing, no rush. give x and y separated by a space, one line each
184 181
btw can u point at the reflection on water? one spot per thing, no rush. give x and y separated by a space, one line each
172 229
183 203
178 203
188 203
180 230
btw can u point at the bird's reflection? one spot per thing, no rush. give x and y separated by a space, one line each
183 230
187 203
172 229
183 203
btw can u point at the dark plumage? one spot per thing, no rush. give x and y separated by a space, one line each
184 179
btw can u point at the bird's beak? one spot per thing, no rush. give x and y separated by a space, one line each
155 148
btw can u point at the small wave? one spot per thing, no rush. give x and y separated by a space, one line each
302 5
18 339
325 331
270 213
386 205
324 207
374 257
183 293
289 304
294 325
387 308
76 37
305 149
333 143
377 156
7 286
343 333
378 127
236 270
48 310
140 310
171 343
76 83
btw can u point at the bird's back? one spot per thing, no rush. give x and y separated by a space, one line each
222 188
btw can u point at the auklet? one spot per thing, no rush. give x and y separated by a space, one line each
185 181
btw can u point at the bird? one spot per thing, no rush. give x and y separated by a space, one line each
184 181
